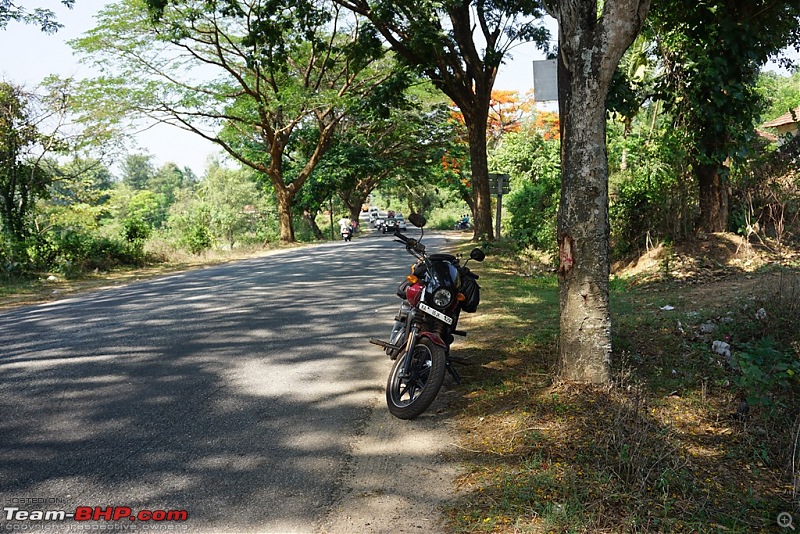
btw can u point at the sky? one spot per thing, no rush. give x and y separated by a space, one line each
29 56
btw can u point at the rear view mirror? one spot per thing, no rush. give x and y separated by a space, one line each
477 254
417 220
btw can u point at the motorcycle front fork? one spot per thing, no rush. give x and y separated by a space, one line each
411 344
405 320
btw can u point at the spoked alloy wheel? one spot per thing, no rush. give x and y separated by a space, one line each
407 397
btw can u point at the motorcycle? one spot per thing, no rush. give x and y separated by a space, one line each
347 233
462 225
438 289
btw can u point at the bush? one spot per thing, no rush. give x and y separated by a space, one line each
135 229
766 194
652 196
534 211
75 252
197 238
13 257
443 220
533 161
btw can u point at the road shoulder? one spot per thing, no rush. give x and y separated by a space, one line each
400 475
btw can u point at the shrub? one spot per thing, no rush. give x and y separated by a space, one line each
653 196
12 257
196 238
652 199
767 373
76 251
533 162
534 209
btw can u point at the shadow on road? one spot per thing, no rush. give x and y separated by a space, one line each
231 392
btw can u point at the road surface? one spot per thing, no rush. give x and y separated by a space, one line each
245 397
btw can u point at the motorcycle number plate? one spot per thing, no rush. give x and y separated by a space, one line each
436 313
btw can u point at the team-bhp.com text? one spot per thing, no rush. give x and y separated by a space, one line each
94 513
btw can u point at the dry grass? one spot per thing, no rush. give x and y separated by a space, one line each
663 450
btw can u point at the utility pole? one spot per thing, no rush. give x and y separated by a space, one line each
330 212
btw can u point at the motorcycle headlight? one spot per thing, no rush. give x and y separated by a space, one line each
442 298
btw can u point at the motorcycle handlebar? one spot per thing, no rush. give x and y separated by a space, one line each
411 244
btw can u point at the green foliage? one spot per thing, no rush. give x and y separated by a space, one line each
74 252
710 53
135 230
395 145
782 93
533 163
44 18
167 180
652 198
79 181
274 97
766 194
22 180
767 373
138 171
13 257
534 209
233 198
226 207
196 237
190 219
461 61
144 206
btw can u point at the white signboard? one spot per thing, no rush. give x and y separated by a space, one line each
545 80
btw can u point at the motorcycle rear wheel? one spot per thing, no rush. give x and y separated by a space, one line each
408 397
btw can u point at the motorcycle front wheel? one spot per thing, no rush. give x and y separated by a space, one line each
409 396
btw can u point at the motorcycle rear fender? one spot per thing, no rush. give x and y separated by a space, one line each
435 338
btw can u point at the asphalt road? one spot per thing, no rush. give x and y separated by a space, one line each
231 392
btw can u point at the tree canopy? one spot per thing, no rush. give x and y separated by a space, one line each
248 76
44 18
710 54
459 46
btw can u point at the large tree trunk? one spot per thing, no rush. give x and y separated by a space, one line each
285 198
589 50
482 208
713 198
583 230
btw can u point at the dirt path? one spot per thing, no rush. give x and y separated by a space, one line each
401 473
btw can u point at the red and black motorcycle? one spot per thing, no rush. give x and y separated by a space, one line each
438 289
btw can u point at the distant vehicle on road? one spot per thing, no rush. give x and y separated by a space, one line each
374 214
390 224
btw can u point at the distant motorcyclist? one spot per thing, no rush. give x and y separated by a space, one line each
346 228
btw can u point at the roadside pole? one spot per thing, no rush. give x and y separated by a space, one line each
498 185
331 214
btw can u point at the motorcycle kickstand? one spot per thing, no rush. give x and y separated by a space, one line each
453 372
